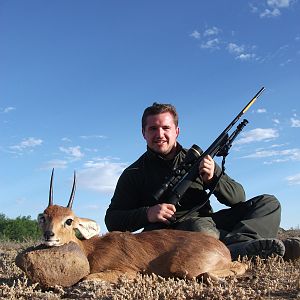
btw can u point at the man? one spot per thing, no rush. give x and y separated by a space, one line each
246 227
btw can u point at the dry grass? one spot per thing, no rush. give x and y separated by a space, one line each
270 279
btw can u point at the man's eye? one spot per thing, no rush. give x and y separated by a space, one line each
69 222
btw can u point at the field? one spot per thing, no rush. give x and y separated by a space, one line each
270 279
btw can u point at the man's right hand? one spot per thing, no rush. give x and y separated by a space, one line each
163 213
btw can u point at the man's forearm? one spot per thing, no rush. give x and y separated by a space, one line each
229 191
126 220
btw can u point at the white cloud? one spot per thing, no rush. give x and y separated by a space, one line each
214 39
217 39
235 49
211 44
277 155
254 9
277 145
8 109
240 52
276 121
256 135
27 144
288 61
212 31
279 3
295 122
101 175
245 56
282 49
272 8
93 136
196 34
267 13
261 111
293 179
74 152
279 54
93 150
56 164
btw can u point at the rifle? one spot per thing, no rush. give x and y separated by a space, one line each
185 174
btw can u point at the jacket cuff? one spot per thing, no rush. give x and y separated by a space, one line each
217 174
144 217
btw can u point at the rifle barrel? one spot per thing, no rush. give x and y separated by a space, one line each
252 100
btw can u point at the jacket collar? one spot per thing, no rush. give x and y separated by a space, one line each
154 155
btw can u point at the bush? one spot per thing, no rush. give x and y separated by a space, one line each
20 229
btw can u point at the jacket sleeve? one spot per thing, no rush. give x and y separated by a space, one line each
227 191
124 212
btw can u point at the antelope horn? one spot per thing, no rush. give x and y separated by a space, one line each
51 189
72 193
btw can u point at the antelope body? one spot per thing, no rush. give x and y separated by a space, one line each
168 253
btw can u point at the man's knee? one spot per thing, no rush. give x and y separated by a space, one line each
268 201
266 209
271 199
201 224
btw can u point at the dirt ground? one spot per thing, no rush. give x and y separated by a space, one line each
270 279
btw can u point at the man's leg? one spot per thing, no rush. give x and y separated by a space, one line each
201 224
250 228
256 218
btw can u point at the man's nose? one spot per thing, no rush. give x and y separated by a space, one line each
160 132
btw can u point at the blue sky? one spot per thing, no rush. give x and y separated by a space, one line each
75 77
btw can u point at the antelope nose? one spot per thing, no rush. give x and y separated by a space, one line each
48 235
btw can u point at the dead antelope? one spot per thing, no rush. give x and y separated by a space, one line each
168 253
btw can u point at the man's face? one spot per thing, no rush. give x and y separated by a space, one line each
161 133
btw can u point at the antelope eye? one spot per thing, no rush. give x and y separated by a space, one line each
69 222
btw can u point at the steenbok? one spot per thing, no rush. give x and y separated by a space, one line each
168 253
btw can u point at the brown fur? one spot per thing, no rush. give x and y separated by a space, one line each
168 253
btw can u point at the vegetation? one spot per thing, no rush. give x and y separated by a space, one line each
20 229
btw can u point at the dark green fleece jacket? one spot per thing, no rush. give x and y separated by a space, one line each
137 184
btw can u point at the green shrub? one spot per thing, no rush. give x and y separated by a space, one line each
20 229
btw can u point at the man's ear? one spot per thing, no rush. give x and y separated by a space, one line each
85 228
177 131
143 132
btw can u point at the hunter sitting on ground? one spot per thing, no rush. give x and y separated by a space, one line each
246 227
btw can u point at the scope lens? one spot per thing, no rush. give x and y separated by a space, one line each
193 153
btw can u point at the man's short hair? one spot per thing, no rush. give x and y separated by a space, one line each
159 108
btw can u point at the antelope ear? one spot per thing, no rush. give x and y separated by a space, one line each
85 228
41 219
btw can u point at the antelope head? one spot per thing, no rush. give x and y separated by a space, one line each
60 225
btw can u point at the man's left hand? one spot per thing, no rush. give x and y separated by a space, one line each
207 169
